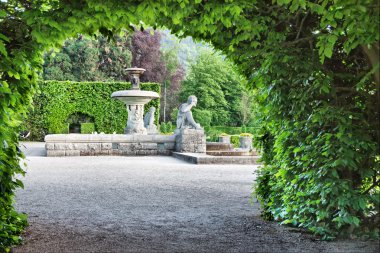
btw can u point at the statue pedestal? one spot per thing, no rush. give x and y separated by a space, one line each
190 141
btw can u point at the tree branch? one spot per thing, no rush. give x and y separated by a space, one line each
301 26
372 186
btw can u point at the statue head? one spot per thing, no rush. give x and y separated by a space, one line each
192 100
152 109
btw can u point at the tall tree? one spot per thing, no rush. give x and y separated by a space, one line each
173 93
218 87
145 48
86 59
161 64
174 75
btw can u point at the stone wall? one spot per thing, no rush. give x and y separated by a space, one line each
108 144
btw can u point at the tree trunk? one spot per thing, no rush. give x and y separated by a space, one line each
372 54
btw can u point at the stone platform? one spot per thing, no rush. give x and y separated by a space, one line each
199 158
227 149
108 144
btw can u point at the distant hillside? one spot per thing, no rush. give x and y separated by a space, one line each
188 50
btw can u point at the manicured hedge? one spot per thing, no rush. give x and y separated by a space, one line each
60 99
87 128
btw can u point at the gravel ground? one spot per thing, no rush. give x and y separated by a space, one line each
151 204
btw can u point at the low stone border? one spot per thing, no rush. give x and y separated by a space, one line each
108 144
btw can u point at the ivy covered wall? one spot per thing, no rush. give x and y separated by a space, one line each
58 100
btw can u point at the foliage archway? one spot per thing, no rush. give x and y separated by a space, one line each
313 62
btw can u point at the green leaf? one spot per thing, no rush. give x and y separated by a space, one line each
339 15
356 221
335 173
2 13
2 49
3 37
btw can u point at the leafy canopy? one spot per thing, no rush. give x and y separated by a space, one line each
296 52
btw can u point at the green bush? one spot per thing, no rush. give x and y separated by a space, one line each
166 128
235 140
58 101
87 128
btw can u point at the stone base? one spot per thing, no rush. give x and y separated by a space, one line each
108 144
190 141
152 129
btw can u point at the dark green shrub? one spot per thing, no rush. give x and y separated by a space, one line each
60 103
87 128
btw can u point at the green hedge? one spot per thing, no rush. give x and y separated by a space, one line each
60 99
87 128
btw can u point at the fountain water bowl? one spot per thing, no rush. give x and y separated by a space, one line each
135 99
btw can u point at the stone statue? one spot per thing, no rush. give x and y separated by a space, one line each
149 121
185 117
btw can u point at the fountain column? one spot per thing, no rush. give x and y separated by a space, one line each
135 123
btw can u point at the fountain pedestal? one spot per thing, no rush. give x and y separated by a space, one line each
135 123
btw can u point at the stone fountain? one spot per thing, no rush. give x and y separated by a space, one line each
135 100
141 136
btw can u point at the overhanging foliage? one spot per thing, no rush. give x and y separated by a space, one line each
313 62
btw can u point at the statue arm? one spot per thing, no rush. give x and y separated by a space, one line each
185 108
190 119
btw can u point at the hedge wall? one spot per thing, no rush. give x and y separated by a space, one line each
58 100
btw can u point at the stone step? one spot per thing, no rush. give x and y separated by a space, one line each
218 146
229 153
197 158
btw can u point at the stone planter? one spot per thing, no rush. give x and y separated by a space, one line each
245 142
225 139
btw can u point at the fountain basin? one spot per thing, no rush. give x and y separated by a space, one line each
131 97
135 101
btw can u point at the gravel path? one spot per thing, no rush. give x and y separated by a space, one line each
151 204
